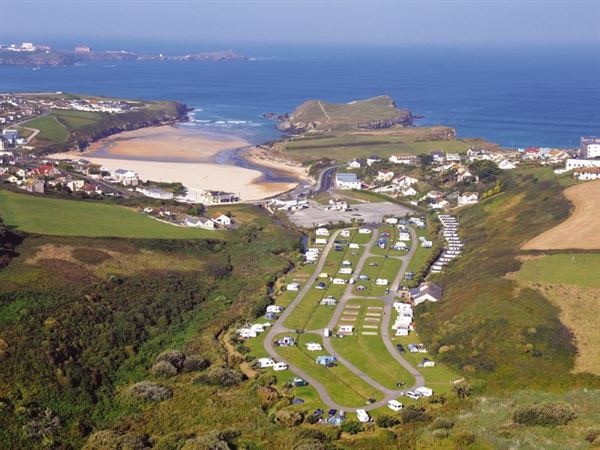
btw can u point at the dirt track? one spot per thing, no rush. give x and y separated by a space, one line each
582 229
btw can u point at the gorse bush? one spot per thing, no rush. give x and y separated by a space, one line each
164 369
547 414
220 376
149 391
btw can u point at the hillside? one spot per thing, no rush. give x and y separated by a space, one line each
373 113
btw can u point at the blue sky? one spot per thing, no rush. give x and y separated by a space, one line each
336 22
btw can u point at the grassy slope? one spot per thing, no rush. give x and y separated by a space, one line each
580 269
51 130
77 218
485 325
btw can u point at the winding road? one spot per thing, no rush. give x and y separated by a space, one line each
279 328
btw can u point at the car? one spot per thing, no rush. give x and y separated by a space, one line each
299 331
371 400
364 277
400 348
387 291
412 395
321 286
332 412
297 401
395 405
373 264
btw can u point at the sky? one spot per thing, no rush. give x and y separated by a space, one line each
327 22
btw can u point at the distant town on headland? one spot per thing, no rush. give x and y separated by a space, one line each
30 54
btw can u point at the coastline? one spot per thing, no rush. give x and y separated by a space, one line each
168 153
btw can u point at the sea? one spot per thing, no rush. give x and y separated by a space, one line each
516 97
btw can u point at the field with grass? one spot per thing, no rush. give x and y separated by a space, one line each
579 269
365 348
43 215
51 130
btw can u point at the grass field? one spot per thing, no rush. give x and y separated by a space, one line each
580 269
368 352
50 129
417 262
57 217
343 386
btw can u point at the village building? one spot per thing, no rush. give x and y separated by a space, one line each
587 173
199 222
468 198
354 164
125 177
373 159
347 181
589 147
403 159
216 197
427 291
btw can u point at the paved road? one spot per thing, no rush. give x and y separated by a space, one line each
278 328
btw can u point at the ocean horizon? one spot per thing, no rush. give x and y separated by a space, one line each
513 97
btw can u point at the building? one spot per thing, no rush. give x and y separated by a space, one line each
587 173
580 163
468 198
125 177
354 164
385 175
403 159
372 160
83 49
589 147
216 197
199 222
427 291
347 181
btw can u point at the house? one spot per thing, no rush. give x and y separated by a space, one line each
75 185
314 347
46 170
589 147
263 363
408 192
468 198
587 173
275 309
354 164
216 197
372 160
506 165
325 360
322 232
579 163
405 181
452 157
427 291
33 185
347 181
437 156
223 220
125 177
403 159
199 222
384 175
295 286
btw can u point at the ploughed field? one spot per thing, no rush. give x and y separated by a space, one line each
581 230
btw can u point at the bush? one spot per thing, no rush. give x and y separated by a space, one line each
548 414
149 391
465 438
220 376
351 427
267 396
309 444
440 433
413 414
164 369
173 357
440 422
386 421
108 439
288 418
195 363
311 433
90 256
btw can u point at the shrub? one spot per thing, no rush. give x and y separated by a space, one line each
413 414
90 256
311 433
309 444
195 363
220 376
441 422
351 427
386 421
465 438
106 439
173 357
547 414
149 391
164 369
440 433
267 396
288 418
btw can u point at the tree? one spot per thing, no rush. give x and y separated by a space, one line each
486 170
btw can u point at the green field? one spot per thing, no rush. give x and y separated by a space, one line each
420 256
50 129
368 352
42 215
580 269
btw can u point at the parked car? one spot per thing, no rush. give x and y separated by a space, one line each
400 348
321 286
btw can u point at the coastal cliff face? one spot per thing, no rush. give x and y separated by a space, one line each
370 114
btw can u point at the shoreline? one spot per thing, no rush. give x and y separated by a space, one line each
199 160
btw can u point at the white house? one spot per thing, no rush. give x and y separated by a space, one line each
354 164
384 175
223 220
579 163
199 222
409 192
506 165
125 177
468 198
347 181
75 184
427 291
345 233
452 157
587 173
322 232
402 159
405 181
372 160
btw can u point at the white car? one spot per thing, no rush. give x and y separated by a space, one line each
395 405
278 367
363 416
413 395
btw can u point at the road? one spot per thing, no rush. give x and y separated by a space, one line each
388 299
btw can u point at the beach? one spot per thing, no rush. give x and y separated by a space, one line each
178 154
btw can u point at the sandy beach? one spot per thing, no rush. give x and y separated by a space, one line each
262 157
164 143
177 154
